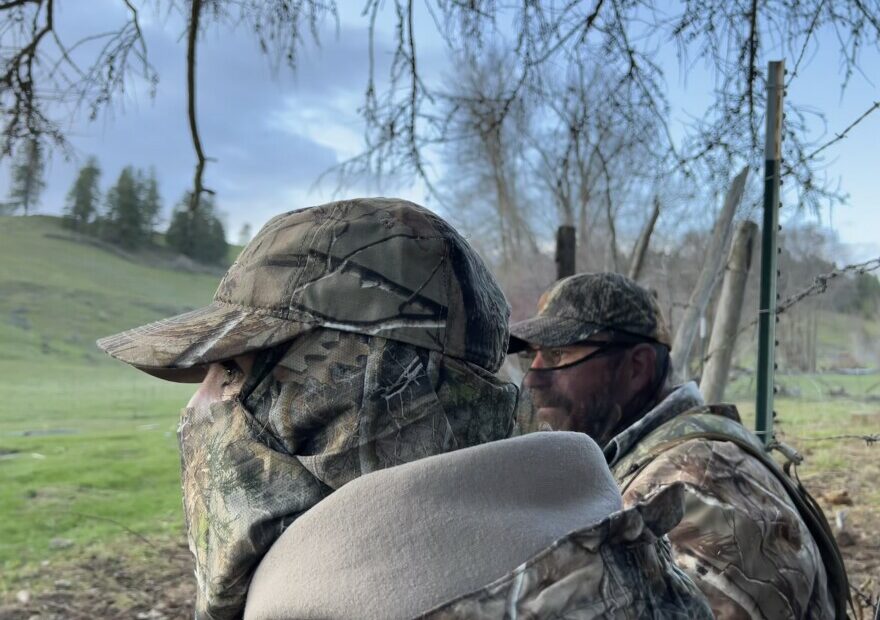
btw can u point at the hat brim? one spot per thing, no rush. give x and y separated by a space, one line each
549 331
179 348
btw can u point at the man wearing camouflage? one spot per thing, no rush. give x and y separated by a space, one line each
598 359
347 452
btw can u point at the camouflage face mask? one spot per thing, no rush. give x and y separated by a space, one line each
335 406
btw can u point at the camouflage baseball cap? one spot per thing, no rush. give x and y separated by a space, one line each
375 266
584 304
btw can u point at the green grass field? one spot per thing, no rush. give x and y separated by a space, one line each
87 445
88 450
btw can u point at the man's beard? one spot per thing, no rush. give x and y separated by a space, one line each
598 416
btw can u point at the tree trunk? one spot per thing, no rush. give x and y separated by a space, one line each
565 252
612 233
641 247
726 324
708 278
814 332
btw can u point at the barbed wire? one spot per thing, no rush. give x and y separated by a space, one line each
837 138
820 282
817 287
869 440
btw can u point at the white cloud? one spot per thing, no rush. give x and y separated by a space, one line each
332 124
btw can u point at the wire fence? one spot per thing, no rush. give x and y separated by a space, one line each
818 286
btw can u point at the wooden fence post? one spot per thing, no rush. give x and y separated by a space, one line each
566 245
713 265
641 247
727 316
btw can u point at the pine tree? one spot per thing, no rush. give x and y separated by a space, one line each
151 201
198 234
125 222
28 172
867 295
82 199
244 235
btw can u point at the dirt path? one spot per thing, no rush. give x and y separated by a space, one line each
854 492
154 583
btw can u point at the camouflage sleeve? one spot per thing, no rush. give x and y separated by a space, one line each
741 539
617 569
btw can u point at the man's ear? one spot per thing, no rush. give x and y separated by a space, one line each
642 364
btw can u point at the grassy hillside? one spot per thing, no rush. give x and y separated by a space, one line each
87 445
58 296
842 340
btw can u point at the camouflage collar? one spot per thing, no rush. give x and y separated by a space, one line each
682 398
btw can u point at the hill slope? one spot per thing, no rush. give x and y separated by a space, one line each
87 445
57 296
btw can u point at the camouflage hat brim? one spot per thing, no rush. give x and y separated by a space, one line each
549 331
179 347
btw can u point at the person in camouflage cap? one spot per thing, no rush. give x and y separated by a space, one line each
598 362
346 339
583 322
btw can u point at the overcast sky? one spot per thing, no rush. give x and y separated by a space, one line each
272 133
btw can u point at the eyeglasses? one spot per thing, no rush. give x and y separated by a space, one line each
559 358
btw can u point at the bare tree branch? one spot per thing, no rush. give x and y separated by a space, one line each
808 36
192 37
641 247
584 29
41 85
23 114
15 3
609 210
752 68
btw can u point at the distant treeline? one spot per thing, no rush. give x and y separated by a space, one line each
129 212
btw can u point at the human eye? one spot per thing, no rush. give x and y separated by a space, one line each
232 371
552 357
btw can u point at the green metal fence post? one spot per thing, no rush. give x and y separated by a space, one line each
767 306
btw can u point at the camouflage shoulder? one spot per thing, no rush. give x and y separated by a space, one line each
718 422
619 568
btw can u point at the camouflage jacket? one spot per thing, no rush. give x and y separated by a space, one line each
619 569
531 527
742 539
